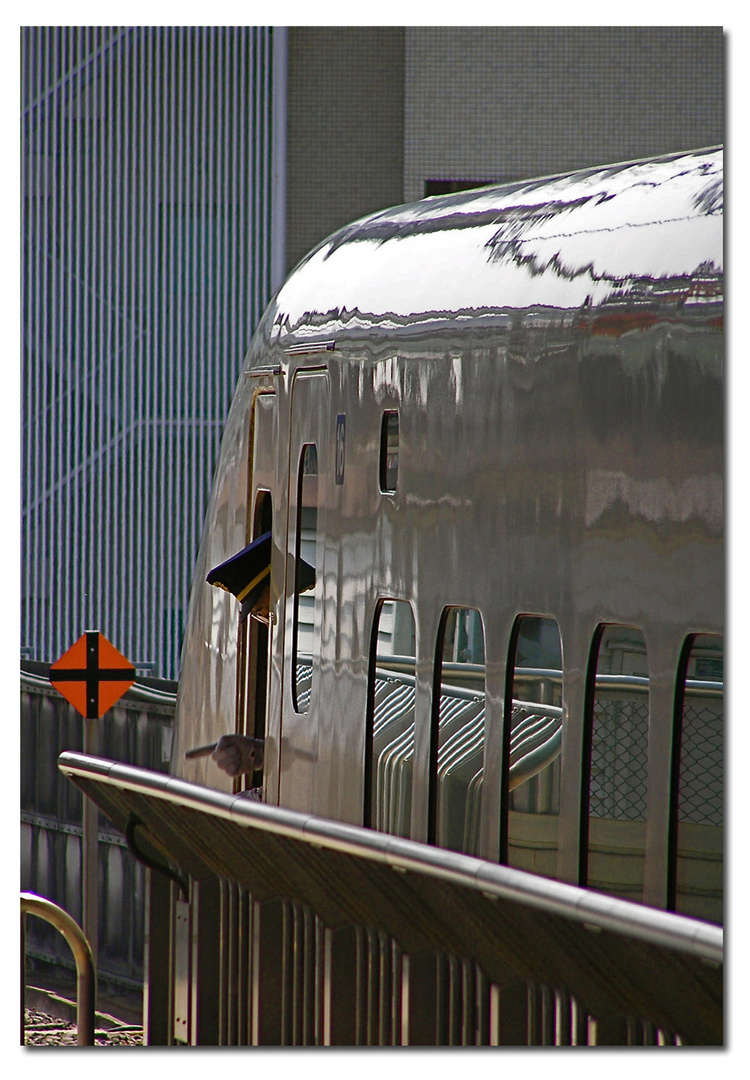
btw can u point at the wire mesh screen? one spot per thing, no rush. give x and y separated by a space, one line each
147 199
702 763
619 759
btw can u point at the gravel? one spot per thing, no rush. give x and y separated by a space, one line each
45 1030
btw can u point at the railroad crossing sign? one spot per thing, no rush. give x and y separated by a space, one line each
92 675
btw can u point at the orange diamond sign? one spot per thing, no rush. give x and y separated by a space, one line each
92 675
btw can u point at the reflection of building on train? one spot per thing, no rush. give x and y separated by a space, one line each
492 422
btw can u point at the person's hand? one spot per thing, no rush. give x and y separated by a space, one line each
237 754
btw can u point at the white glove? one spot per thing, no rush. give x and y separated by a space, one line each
237 754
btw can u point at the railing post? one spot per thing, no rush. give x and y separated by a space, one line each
23 976
85 978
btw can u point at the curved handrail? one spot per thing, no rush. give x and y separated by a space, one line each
31 904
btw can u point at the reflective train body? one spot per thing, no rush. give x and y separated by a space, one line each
493 424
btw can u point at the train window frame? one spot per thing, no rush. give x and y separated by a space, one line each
590 699
388 461
368 788
509 697
437 693
301 484
692 642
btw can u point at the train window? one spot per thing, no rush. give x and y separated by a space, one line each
304 584
389 739
533 746
389 452
699 752
617 753
457 757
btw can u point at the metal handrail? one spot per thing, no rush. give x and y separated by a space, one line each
31 904
137 690
662 928
398 666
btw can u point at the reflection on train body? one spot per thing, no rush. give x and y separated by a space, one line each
493 424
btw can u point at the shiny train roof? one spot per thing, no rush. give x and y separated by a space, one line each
566 242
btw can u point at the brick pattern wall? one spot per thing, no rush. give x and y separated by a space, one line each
345 128
505 103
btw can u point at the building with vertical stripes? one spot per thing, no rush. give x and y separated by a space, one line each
148 256
170 178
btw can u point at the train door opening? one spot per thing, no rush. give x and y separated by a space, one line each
256 631
254 655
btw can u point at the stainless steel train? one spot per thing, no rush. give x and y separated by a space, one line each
490 802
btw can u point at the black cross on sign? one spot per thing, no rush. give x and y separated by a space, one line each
92 675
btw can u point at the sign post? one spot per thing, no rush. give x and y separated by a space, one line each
92 675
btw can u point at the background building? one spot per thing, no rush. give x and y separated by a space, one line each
171 176
379 116
147 225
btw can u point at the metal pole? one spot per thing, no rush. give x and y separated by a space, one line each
23 976
90 890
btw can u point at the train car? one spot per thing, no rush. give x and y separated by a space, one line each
489 804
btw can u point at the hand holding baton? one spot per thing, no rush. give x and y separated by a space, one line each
235 754
201 751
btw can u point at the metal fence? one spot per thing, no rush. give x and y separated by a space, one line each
152 237
138 730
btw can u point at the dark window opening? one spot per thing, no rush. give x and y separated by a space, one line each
449 187
389 446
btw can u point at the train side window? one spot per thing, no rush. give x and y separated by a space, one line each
533 747
304 583
457 745
617 722
699 759
389 730
389 438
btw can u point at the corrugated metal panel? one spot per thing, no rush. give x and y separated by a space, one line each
148 197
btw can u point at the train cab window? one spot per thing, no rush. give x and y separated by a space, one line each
533 747
304 584
617 750
699 754
457 758
389 731
389 453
